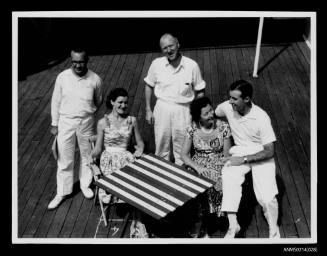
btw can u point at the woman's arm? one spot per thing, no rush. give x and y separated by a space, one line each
228 142
139 141
185 155
99 142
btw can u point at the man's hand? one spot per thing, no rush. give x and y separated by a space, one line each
54 130
95 153
233 161
149 116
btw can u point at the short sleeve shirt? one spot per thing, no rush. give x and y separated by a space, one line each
175 84
250 130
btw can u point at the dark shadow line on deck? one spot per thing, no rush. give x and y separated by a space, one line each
273 58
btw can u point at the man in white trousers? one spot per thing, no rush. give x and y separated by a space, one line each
76 97
176 80
254 140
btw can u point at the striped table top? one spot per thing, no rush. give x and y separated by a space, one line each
154 185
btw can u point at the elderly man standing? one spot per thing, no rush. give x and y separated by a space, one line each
176 80
76 97
254 140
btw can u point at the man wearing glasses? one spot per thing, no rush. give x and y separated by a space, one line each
76 97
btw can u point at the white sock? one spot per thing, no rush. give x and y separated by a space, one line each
232 219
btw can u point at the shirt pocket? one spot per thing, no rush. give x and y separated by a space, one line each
185 83
186 89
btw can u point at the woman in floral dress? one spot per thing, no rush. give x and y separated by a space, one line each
211 139
114 132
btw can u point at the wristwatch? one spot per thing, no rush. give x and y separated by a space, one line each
245 160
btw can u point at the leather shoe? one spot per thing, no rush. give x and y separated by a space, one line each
232 231
55 202
87 192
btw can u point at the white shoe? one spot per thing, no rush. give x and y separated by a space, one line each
105 198
138 230
55 202
232 231
87 192
274 233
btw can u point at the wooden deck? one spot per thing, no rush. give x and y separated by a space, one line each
282 89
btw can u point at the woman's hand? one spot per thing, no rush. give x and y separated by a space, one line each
54 130
201 170
138 151
149 116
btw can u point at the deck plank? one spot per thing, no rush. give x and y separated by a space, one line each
71 217
306 52
146 130
26 188
297 112
82 218
32 201
299 70
35 220
92 222
295 147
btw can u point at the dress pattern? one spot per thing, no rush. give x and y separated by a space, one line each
116 142
208 153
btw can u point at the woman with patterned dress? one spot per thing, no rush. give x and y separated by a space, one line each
211 139
114 132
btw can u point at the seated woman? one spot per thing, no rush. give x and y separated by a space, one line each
211 139
114 131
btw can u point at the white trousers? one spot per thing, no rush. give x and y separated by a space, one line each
264 184
70 130
171 120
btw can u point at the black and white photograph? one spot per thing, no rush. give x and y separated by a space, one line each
164 127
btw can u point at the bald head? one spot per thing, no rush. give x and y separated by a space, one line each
167 37
170 47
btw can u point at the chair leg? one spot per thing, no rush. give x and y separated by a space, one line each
103 213
96 195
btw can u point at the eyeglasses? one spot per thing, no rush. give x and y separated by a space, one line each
78 62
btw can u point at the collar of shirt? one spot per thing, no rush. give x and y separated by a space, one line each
251 115
78 78
181 64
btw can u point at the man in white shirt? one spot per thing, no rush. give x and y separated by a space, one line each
176 80
254 150
76 97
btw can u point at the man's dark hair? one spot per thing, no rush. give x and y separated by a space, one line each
80 49
114 94
244 87
196 106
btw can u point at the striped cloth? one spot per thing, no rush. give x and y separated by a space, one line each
154 185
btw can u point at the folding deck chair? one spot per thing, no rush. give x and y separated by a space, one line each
151 184
96 175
